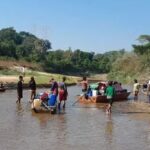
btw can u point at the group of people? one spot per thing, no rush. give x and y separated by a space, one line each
58 89
145 89
32 86
102 89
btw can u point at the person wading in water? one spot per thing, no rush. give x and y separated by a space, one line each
54 87
136 88
20 89
63 93
110 93
148 91
84 84
32 85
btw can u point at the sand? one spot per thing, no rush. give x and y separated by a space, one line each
10 79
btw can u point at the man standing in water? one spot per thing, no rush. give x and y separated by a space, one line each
84 84
136 88
20 89
32 85
148 91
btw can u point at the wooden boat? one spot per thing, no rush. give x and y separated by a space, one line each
2 89
120 96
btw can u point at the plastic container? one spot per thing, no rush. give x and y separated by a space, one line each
36 103
94 93
90 93
52 100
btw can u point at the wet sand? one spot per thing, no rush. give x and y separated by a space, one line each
80 127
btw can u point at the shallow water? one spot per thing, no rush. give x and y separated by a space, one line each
80 127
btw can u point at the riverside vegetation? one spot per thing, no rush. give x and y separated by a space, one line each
25 49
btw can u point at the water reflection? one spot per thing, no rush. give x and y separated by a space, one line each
109 129
19 109
43 118
82 127
61 127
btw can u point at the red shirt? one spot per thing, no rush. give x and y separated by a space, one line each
62 95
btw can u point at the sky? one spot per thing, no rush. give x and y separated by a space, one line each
89 25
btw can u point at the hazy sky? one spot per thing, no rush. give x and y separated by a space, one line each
90 25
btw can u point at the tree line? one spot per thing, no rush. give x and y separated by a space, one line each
134 64
118 63
26 46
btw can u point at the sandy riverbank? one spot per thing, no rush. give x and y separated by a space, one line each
11 79
42 78
11 82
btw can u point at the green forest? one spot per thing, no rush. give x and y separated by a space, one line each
118 64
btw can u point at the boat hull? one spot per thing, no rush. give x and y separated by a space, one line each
2 89
123 96
119 97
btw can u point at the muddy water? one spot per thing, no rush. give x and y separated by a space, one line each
80 127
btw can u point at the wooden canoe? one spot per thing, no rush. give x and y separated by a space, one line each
102 98
2 89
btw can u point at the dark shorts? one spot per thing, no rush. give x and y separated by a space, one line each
110 101
84 90
33 91
20 94
62 97
136 93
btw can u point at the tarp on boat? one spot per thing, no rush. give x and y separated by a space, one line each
94 86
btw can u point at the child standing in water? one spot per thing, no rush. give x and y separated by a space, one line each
20 89
110 93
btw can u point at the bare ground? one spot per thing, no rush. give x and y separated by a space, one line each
10 79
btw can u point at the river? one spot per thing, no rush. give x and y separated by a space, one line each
80 127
